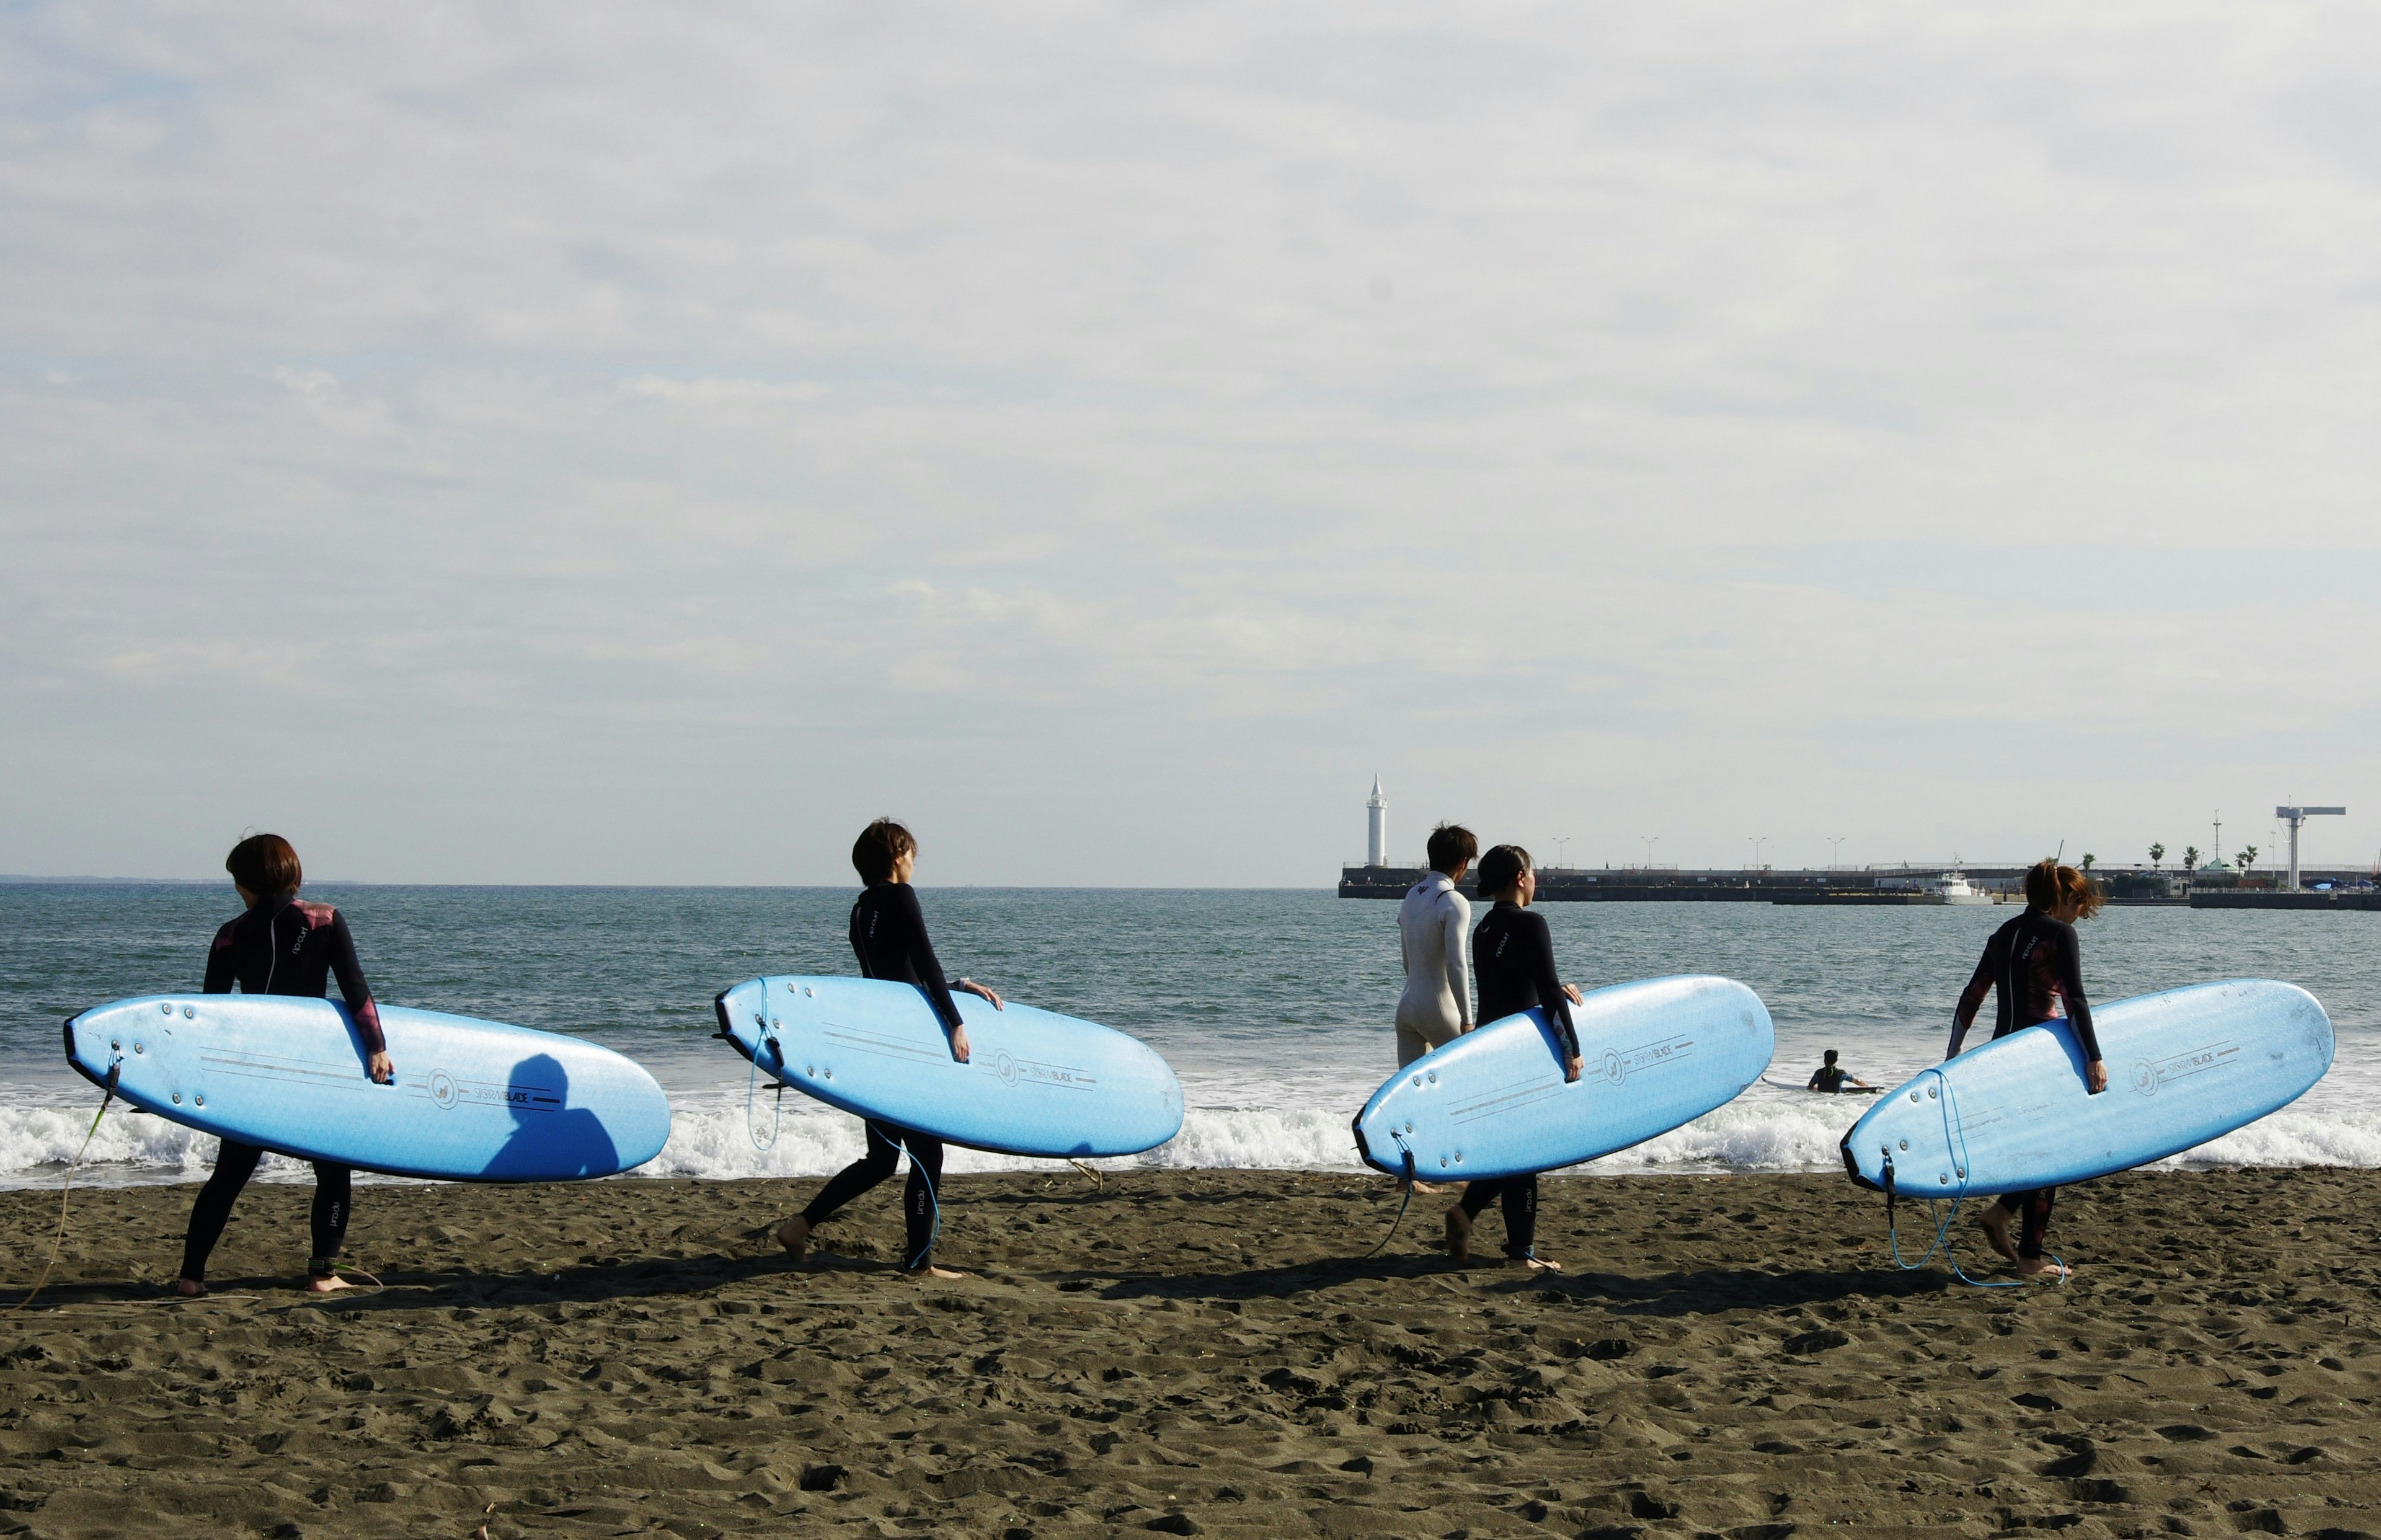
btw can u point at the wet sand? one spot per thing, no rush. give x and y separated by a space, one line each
1198 1353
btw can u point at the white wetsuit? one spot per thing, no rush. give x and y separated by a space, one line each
1435 932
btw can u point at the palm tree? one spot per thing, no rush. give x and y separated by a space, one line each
2157 853
2190 858
2088 859
2248 858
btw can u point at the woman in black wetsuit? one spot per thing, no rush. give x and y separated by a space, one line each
281 946
1513 961
2035 966
888 930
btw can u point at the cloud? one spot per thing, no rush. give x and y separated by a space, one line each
632 445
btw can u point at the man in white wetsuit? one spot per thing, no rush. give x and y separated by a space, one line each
1434 931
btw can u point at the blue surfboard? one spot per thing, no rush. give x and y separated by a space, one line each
1036 1083
2184 1067
473 1101
1494 1103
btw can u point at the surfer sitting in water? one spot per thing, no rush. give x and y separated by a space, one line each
281 946
888 930
1831 1077
1433 924
1513 958
2035 965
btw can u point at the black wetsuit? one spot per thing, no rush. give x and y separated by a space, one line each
2033 965
284 946
1828 1077
888 932
1513 960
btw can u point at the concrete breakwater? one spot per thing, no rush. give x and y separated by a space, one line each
1875 885
1666 885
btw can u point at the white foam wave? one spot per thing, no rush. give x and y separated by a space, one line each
712 1138
1741 1136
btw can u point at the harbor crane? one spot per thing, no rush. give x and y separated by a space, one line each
2294 816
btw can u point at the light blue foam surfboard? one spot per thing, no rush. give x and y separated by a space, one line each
2184 1067
475 1101
1494 1103
1036 1082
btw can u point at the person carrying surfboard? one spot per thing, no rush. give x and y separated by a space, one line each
2034 967
888 932
1831 1077
1513 958
281 946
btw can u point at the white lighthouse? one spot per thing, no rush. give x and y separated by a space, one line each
1376 827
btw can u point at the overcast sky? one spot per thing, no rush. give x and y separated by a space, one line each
600 442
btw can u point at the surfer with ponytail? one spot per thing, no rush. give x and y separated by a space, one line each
2034 967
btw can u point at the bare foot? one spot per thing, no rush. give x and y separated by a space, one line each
331 1284
930 1271
1427 1187
2043 1267
795 1236
1993 1222
189 1289
1458 1236
1539 1264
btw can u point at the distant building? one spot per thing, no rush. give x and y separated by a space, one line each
1376 827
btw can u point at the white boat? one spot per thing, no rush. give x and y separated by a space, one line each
1952 888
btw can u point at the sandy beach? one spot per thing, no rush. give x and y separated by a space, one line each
1197 1353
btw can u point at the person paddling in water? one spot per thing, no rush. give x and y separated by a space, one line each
888 930
1433 925
282 947
2036 967
1513 958
1832 1077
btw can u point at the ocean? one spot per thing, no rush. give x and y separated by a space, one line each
1274 1006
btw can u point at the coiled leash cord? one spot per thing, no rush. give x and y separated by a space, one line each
1942 1242
751 1079
58 1242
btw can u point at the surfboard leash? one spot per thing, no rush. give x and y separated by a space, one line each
1404 1203
777 1123
1942 1242
57 1243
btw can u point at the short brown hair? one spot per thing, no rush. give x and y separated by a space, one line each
1450 845
2048 885
1501 868
266 865
879 846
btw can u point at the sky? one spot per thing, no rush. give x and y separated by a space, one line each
636 444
